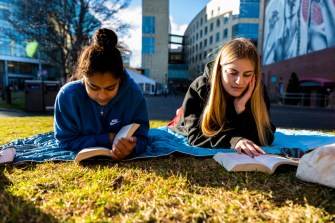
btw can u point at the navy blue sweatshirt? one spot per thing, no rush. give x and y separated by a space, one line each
80 122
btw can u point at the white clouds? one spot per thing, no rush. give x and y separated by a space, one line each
176 28
133 39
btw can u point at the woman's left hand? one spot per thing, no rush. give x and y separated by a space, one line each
123 147
248 147
241 101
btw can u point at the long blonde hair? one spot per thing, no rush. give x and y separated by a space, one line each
214 115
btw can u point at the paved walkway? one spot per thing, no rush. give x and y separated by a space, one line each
164 108
18 113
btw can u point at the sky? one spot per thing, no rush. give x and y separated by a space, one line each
179 20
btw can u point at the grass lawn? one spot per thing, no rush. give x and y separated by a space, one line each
170 189
17 99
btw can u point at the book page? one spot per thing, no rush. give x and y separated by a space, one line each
243 162
126 131
237 162
91 152
272 161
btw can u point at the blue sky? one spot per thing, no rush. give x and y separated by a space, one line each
181 14
178 8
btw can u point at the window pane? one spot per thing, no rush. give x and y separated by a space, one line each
148 24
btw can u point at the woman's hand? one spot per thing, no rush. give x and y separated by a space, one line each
241 101
123 147
248 147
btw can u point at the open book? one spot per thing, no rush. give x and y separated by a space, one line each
125 132
242 162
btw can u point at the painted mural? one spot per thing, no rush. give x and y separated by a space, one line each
297 27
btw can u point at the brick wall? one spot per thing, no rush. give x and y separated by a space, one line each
316 64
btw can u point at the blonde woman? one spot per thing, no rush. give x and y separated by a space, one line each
228 107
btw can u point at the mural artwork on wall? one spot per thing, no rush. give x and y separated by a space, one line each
297 27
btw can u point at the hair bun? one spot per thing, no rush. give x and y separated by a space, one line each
105 38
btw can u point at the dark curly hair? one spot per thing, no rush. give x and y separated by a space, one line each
104 55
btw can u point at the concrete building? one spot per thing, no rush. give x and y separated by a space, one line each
299 38
155 39
218 22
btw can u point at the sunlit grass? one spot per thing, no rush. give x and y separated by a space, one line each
169 189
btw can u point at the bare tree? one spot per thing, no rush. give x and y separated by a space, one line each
62 27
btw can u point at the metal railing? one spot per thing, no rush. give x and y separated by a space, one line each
305 99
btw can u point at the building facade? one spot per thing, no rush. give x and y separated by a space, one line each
155 39
299 38
218 22
18 57
178 78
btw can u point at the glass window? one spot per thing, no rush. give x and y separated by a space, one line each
225 33
225 19
234 31
148 25
247 30
147 72
249 8
22 68
148 45
2 68
211 27
217 37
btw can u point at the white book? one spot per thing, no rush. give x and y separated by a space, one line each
125 132
242 162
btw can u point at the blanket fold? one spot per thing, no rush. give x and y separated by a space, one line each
162 142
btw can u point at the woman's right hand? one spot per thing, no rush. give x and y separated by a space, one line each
248 147
123 147
241 101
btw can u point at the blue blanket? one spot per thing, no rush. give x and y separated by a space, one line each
162 142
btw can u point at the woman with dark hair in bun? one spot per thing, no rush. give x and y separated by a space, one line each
100 99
